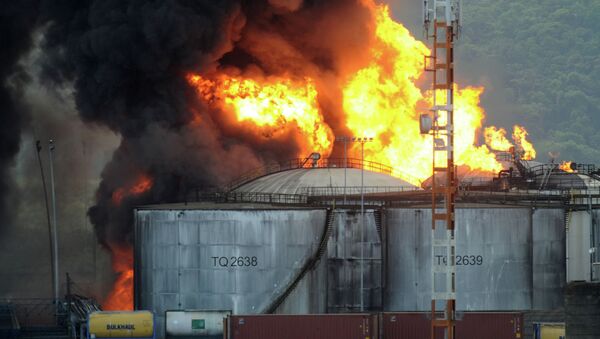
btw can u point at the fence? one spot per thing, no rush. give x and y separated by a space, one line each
36 311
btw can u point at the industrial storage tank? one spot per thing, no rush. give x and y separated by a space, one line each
508 258
240 258
121 324
187 324
325 181
292 241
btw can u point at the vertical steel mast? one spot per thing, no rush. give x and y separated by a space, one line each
441 18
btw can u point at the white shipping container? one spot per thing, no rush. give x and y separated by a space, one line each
194 323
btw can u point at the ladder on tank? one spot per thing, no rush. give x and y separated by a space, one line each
442 17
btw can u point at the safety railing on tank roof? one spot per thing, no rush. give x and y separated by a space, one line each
325 191
567 183
266 198
308 163
574 198
543 169
504 156
464 182
549 176
579 199
245 197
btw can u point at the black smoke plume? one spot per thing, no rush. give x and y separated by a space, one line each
17 22
128 60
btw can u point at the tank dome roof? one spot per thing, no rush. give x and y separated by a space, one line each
298 181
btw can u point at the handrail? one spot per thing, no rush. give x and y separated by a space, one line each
543 169
574 198
322 191
303 163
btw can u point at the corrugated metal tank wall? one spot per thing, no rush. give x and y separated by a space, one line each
583 239
217 259
310 295
508 259
549 272
579 238
582 308
343 262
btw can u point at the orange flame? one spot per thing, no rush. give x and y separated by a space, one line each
520 137
381 100
496 139
272 104
566 166
120 297
143 184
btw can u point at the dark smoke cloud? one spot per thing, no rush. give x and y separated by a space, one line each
81 153
176 160
128 58
128 61
17 21
311 41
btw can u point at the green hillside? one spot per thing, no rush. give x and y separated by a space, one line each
544 58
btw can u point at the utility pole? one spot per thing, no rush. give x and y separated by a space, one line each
38 148
345 140
443 18
54 227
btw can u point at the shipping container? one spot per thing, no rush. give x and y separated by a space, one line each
197 324
469 325
313 326
406 325
549 331
121 324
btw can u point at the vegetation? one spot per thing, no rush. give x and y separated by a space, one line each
548 53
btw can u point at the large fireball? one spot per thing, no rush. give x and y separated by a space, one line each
381 100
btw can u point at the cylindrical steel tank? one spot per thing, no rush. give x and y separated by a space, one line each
225 259
507 259
256 258
346 264
121 324
195 324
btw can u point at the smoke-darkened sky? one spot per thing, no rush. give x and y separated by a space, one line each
92 73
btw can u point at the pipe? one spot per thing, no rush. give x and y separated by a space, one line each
345 166
362 227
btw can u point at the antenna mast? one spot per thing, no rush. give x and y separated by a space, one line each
442 24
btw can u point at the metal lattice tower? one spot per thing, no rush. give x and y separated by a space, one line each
441 19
